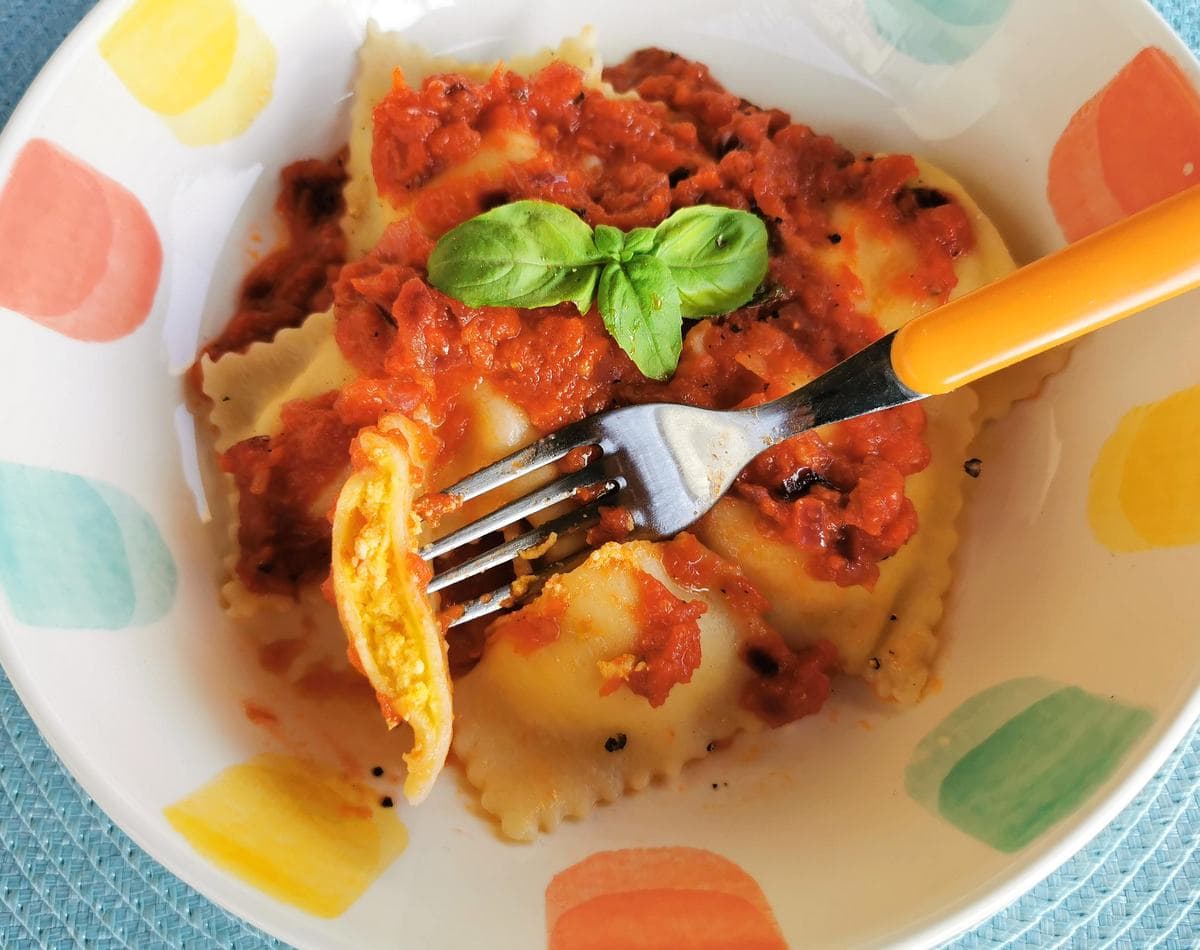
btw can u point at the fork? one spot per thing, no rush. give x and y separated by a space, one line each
668 464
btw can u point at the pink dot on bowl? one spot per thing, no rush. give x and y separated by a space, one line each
81 255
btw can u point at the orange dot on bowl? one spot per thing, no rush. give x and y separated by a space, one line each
664 919
1132 144
658 899
81 255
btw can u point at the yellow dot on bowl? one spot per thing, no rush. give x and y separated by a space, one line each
204 66
173 54
1144 490
297 830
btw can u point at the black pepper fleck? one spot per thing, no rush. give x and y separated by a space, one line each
615 743
493 199
834 238
678 175
377 771
973 467
762 662
929 198
892 617
874 661
386 314
801 482
711 747
386 801
714 785
226 398
726 144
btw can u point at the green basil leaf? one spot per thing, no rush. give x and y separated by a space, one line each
718 257
637 241
609 241
525 254
639 304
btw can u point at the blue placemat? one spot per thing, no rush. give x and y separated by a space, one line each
69 877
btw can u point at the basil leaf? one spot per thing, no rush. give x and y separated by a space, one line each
525 254
609 241
718 257
639 304
637 241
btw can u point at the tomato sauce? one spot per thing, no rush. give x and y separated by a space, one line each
532 627
667 650
615 524
296 279
838 496
785 684
284 538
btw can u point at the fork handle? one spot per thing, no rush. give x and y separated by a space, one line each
1125 268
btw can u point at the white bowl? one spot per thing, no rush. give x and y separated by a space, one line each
858 825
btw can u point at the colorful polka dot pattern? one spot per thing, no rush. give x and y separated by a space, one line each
658 899
75 552
1135 142
937 32
203 66
1014 760
81 255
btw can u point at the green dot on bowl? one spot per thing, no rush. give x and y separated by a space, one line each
1011 762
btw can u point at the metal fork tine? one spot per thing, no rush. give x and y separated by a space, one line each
571 521
544 451
482 606
502 598
558 490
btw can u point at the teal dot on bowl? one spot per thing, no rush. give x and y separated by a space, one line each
78 553
1019 757
937 32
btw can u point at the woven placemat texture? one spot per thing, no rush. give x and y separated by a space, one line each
70 877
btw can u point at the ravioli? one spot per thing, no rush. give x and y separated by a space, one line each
367 212
535 730
887 634
394 636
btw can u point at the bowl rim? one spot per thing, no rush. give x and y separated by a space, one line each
237 898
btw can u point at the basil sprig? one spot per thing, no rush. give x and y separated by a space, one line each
699 262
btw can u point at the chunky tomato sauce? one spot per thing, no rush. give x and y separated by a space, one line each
838 496
297 278
532 627
785 684
283 529
667 649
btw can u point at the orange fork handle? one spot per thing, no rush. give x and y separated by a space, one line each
1127 267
